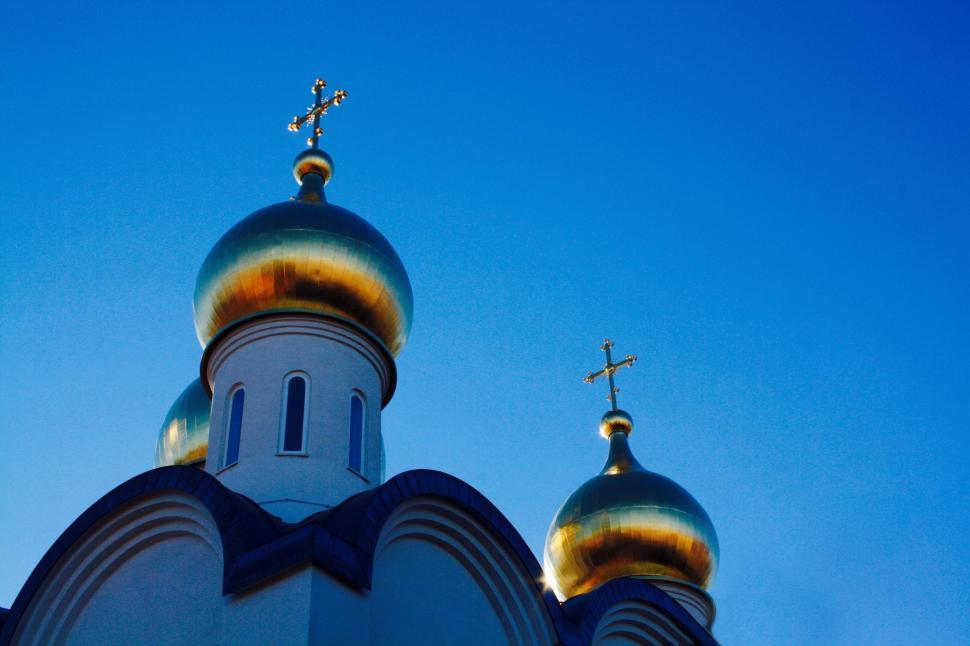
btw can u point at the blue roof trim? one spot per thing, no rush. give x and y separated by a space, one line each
342 541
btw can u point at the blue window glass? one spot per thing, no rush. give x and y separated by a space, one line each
295 405
235 426
356 433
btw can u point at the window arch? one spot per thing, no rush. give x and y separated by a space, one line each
237 399
295 411
357 424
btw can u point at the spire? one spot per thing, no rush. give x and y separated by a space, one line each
616 424
313 168
629 522
621 458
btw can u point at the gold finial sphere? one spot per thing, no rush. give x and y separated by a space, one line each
313 161
616 421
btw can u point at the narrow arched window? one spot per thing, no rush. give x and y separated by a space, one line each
357 434
234 426
294 414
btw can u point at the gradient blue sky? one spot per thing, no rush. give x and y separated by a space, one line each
768 204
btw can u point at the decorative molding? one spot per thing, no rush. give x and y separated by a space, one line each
506 584
104 549
639 623
268 324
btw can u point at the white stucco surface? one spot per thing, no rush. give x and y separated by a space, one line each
182 611
151 572
441 577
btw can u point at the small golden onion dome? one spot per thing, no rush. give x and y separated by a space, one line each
628 521
616 420
184 436
313 160
305 255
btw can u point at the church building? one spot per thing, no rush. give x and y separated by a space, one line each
268 519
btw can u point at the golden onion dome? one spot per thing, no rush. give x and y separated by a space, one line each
628 521
184 436
305 255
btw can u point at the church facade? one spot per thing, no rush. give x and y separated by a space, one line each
268 519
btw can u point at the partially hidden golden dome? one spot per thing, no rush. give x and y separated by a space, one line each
628 521
184 436
305 255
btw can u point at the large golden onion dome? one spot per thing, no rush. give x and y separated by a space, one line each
305 255
628 521
184 436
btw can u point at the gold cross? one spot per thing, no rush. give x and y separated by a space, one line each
315 111
609 369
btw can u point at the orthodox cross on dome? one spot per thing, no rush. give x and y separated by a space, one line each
315 111
609 369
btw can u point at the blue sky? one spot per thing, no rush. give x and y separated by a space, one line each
769 205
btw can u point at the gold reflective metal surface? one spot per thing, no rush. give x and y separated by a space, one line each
305 256
184 436
628 521
313 161
616 421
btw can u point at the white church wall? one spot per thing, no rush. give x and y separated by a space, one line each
150 573
440 577
135 605
277 612
338 614
338 362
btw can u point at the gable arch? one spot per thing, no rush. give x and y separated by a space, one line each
633 609
126 545
162 505
636 622
467 572
432 512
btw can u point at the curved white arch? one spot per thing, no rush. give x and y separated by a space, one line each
81 572
496 572
635 622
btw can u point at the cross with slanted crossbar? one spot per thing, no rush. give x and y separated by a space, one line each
609 369
315 111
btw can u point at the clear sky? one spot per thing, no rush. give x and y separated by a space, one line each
769 205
